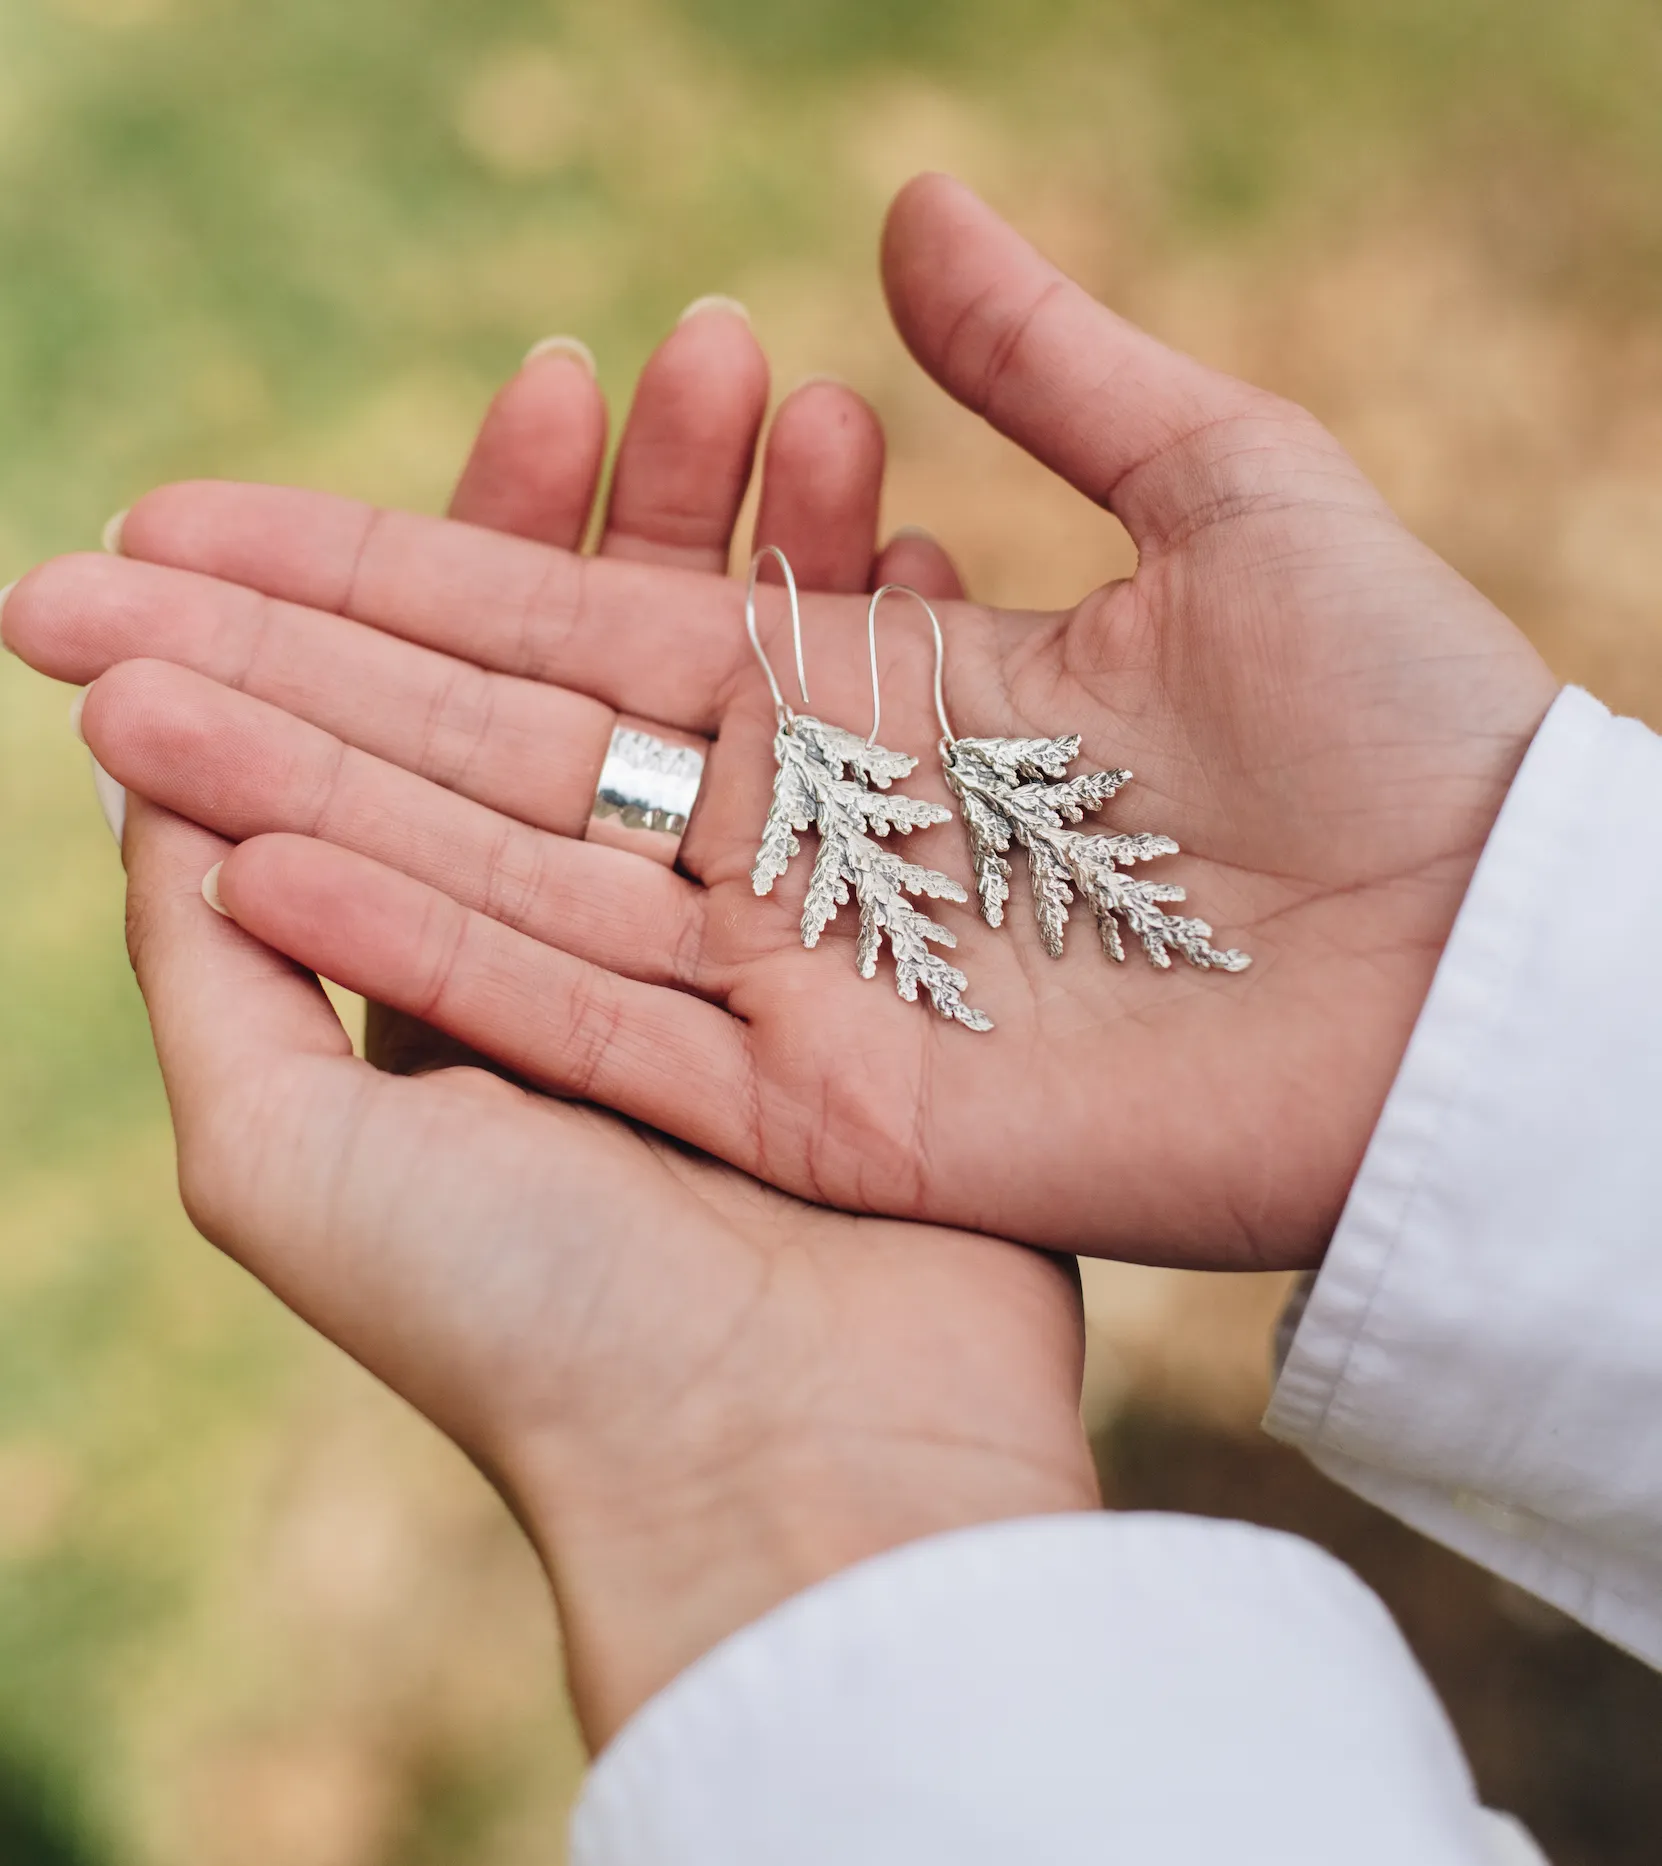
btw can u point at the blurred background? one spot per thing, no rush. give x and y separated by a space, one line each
252 1612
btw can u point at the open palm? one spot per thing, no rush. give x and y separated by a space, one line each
1323 715
699 1395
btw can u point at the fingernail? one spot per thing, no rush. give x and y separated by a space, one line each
210 891
3 595
912 531
814 382
715 301
574 347
110 537
77 706
112 800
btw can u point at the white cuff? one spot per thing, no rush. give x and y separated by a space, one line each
1068 1688
1482 1351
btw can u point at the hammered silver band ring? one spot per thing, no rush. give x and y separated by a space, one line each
647 789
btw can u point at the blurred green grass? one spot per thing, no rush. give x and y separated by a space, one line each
225 227
304 241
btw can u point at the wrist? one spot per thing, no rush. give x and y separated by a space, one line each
652 1570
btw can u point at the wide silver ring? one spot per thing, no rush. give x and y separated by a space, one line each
648 786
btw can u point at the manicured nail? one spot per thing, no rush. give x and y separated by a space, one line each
714 302
112 800
210 891
110 537
77 706
574 347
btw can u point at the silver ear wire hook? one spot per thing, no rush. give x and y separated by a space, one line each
948 736
779 701
826 781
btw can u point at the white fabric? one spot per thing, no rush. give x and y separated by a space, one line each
1509 1842
1482 1351
1153 1690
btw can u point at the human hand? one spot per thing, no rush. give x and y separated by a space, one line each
1322 713
697 1395
684 462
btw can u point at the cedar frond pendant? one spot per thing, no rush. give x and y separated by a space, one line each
822 785
1018 790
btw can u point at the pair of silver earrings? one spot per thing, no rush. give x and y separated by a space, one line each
1010 791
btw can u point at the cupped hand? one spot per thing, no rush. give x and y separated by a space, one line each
697 1394
1322 713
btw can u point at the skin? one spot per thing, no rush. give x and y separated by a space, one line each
698 1395
1324 714
684 462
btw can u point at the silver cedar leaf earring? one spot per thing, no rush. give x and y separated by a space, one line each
823 774
1018 790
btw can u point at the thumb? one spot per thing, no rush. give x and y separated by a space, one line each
1159 439
231 1020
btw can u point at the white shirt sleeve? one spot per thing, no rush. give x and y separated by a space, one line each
1482 1354
1069 1688
1482 1351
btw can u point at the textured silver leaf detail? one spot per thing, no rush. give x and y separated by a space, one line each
989 840
821 785
1012 761
792 809
847 751
1018 790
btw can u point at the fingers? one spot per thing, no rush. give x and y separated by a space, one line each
535 472
822 488
685 458
656 1056
1156 437
243 769
662 642
529 748
914 558
535 466
822 480
222 1005
231 1020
